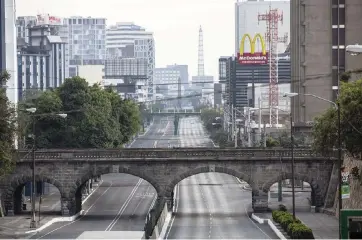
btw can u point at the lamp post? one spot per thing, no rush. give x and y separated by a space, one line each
337 106
32 111
292 155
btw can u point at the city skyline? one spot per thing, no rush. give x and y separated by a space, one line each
178 36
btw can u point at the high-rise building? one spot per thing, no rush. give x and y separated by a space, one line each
127 40
167 79
8 59
41 61
246 20
22 24
237 79
320 30
2 36
87 42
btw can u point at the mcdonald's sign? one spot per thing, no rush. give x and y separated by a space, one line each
252 57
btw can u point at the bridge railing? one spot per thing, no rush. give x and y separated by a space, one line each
170 154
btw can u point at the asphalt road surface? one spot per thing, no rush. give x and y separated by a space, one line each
211 205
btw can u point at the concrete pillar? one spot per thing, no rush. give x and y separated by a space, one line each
169 202
67 206
259 201
89 186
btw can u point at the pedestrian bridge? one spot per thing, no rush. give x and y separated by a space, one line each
70 169
184 112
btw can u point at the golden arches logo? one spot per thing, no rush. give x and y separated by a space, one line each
252 44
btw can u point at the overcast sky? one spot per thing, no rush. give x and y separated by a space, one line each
175 24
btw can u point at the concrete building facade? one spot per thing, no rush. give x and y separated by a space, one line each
320 31
127 40
41 61
2 36
10 48
87 42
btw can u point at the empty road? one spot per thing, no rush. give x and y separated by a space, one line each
211 205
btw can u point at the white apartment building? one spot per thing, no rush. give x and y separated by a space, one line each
127 40
86 42
246 20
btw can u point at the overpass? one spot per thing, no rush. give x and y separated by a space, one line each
70 169
179 112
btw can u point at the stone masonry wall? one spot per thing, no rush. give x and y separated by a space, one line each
355 201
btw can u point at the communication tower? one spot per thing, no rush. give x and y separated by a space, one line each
200 65
272 19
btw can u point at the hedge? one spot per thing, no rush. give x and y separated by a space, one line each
295 229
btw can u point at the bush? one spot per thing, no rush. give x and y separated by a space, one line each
295 229
282 208
299 231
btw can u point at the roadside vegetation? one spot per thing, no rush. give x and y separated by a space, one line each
96 117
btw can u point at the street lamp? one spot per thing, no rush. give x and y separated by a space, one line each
337 106
249 124
354 49
32 111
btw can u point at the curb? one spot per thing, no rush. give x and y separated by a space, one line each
165 226
64 219
270 223
246 188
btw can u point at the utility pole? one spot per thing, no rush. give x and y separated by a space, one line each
249 128
235 131
179 94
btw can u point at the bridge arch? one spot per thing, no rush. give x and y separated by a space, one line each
76 190
207 169
14 189
317 196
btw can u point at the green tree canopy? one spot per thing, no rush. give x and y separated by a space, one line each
326 126
96 118
7 128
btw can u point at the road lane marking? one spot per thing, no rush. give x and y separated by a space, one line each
124 206
142 198
164 133
85 213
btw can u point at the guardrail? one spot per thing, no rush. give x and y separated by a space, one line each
170 154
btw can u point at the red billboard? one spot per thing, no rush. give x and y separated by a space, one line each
256 58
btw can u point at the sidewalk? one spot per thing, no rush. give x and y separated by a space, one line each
323 226
17 226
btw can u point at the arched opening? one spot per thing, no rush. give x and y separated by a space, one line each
47 197
121 201
280 192
208 200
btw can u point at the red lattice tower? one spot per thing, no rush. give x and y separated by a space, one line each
272 19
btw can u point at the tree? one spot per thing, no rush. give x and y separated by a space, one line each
325 126
96 118
7 128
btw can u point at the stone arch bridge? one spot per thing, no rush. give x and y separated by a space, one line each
70 169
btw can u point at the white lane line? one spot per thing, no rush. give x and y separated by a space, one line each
124 206
139 203
246 212
85 213
176 209
164 133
